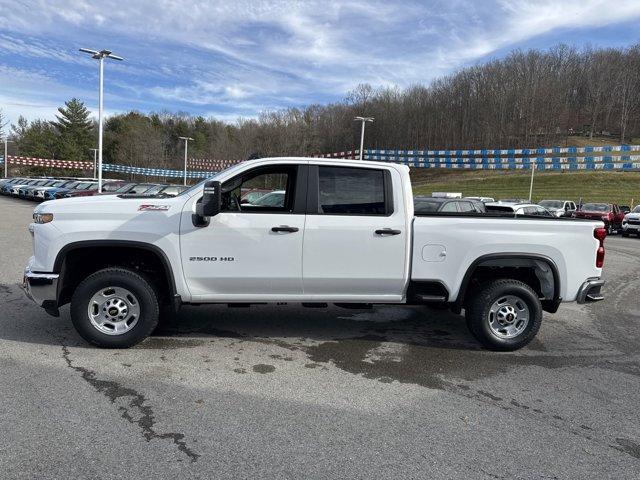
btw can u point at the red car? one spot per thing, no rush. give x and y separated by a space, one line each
609 213
92 189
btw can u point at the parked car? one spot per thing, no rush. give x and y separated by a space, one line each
88 191
271 199
631 222
63 192
609 213
347 235
5 187
40 193
560 208
117 187
51 193
625 209
107 187
173 190
446 205
520 209
28 192
134 189
252 195
14 189
482 199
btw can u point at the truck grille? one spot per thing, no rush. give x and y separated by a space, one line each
634 222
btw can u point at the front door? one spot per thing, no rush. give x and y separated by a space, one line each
252 250
355 242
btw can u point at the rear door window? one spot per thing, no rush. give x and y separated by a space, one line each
449 207
466 207
352 191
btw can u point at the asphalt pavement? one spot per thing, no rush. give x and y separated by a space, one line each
292 393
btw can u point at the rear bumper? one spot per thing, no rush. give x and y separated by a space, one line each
590 291
42 288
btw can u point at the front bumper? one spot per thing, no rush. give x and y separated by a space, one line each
590 291
631 227
42 288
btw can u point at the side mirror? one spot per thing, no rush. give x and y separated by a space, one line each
211 199
209 205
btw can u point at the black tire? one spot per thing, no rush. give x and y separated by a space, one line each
146 298
478 311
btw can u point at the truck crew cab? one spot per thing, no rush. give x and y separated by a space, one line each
339 232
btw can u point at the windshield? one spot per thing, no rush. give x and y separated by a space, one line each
595 207
636 210
82 186
552 203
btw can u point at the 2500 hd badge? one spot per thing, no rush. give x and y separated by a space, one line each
212 259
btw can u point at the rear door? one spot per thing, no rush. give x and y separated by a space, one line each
355 241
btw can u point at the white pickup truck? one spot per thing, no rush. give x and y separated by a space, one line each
339 231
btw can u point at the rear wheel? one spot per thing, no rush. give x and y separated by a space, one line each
115 308
505 315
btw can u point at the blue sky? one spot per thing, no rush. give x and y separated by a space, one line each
236 58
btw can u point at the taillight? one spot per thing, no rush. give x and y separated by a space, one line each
600 234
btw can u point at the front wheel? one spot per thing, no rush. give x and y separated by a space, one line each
115 308
505 315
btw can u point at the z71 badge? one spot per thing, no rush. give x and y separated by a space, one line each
212 259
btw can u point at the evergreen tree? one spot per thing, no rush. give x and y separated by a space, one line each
36 139
75 131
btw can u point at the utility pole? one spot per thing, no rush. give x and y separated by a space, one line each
364 120
186 147
100 56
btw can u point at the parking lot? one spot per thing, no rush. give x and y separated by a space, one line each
288 392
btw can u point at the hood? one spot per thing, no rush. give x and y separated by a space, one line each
108 206
632 216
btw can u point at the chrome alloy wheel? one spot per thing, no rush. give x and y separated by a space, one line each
508 316
114 310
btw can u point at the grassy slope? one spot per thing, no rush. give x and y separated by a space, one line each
619 187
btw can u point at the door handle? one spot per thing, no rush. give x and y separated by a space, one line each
284 228
388 231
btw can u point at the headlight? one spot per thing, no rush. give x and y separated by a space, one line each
42 217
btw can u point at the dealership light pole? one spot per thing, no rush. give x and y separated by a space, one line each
95 152
364 120
533 171
101 55
186 147
6 157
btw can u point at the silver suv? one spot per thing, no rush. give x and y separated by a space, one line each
631 222
559 208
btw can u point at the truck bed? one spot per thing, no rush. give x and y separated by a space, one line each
445 246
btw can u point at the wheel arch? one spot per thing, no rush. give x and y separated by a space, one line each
98 249
549 279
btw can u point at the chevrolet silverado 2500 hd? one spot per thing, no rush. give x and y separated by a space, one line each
339 231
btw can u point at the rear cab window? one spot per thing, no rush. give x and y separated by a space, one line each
353 191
